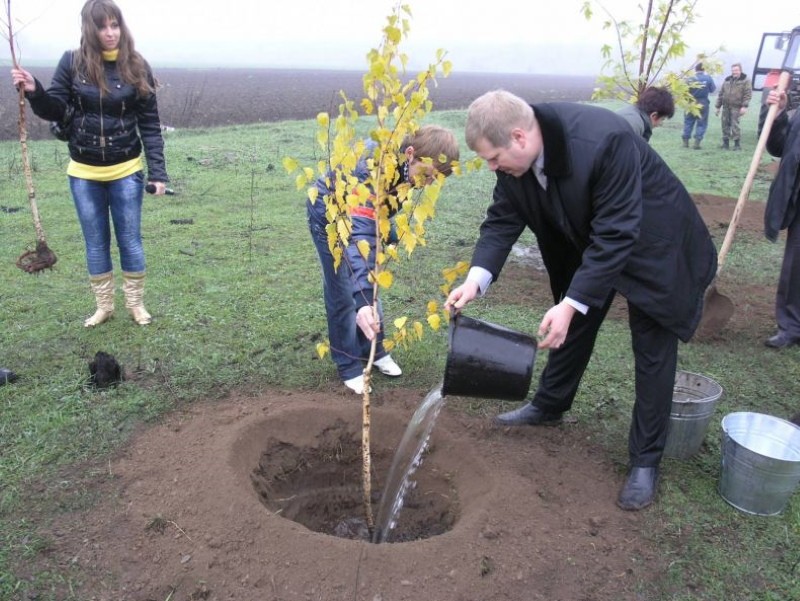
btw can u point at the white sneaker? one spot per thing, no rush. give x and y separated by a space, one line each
388 367
356 384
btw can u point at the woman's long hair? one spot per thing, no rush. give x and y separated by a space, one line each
89 57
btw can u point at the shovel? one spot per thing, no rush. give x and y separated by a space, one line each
718 308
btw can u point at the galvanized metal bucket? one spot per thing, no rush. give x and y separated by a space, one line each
760 462
693 402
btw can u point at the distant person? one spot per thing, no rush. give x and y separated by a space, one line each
701 85
732 101
609 217
783 212
652 107
112 91
347 291
6 376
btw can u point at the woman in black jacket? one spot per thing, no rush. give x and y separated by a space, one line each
112 91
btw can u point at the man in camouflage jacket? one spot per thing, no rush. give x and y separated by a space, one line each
733 98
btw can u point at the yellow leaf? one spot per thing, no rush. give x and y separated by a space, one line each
388 345
434 321
323 349
367 106
313 193
418 330
323 120
385 279
289 164
400 322
447 67
433 306
309 173
363 249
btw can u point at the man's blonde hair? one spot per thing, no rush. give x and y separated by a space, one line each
436 143
491 117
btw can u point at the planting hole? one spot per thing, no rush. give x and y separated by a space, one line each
318 483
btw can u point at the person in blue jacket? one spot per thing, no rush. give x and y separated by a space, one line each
347 291
700 86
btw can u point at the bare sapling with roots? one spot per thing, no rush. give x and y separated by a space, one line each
42 257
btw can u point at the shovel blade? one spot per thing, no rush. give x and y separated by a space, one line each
717 312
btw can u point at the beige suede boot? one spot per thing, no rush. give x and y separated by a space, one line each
103 288
133 287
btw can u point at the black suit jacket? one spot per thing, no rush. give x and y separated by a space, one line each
614 217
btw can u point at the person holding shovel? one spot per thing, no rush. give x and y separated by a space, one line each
111 89
609 216
782 213
347 290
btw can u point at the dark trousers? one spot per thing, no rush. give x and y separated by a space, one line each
787 300
655 352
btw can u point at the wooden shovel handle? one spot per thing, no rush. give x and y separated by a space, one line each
783 83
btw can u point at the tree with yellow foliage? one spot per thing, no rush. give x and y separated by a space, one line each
387 182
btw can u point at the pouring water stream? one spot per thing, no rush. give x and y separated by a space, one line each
406 460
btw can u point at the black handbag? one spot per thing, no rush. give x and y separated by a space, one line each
62 129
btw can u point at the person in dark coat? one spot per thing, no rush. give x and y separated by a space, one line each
781 214
609 216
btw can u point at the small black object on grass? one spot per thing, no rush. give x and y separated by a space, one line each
105 371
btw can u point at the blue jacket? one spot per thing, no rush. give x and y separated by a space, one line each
362 227
700 86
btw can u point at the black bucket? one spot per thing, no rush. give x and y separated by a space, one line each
487 361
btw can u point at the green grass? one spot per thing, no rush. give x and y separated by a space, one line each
236 297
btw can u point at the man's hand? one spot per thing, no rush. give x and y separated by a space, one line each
462 295
555 324
776 97
367 321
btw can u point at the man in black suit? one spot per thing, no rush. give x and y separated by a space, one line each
609 216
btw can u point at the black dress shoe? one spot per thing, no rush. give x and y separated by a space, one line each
528 415
6 376
640 488
781 340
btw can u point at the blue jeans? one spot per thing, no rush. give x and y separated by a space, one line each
349 346
689 122
122 198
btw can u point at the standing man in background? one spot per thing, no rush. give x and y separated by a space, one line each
700 87
733 99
